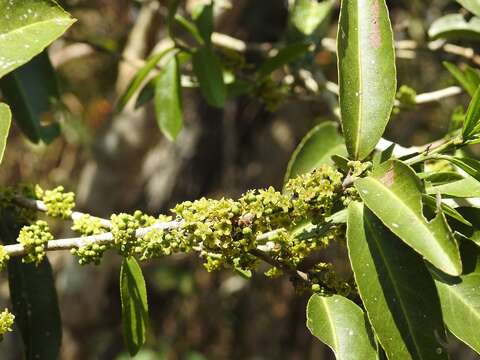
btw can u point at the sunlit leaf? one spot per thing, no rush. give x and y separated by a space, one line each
394 193
316 149
140 77
469 165
454 26
26 28
306 16
396 289
471 5
471 126
464 188
367 76
5 119
342 325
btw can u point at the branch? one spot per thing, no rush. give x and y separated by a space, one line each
39 205
77 242
406 49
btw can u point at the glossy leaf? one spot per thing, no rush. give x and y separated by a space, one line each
26 28
34 299
139 78
469 79
431 203
470 232
454 26
464 188
342 325
367 75
208 70
460 301
381 156
396 289
31 91
285 56
471 126
316 149
5 119
471 5
133 294
440 177
306 16
394 193
168 100
469 165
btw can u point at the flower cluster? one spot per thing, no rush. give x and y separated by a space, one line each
58 202
124 227
288 226
6 322
33 238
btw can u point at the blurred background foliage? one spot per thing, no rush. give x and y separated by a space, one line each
120 161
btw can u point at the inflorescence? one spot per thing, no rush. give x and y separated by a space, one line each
288 226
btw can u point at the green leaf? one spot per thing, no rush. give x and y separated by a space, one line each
342 325
307 16
367 75
469 165
460 301
28 27
454 26
190 27
203 17
208 70
34 299
381 156
31 90
471 126
471 5
316 149
441 177
470 232
394 193
431 203
396 289
140 77
464 188
468 79
285 56
133 294
168 100
5 120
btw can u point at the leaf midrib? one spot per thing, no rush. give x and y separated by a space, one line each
68 20
396 290
421 221
330 322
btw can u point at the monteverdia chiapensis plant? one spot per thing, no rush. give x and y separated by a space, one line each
409 218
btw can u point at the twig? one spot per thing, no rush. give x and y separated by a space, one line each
40 206
405 48
270 260
77 242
